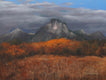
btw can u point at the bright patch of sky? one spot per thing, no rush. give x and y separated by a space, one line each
90 4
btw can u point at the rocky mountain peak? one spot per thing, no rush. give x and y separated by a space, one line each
98 32
97 35
82 31
17 30
56 20
57 27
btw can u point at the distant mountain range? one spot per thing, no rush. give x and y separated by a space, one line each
52 30
17 34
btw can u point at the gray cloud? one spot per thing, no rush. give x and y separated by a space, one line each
33 16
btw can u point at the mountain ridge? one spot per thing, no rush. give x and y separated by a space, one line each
54 29
16 34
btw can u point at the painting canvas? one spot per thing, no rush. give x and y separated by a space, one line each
52 39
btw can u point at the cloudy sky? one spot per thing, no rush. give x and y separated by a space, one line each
30 15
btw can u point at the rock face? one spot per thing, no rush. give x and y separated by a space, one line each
57 27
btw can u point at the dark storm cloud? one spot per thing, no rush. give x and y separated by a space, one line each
33 16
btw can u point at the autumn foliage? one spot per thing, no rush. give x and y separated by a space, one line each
55 47
58 59
55 68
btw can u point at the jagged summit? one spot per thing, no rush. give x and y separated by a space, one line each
52 30
56 26
55 20
16 33
17 30
82 31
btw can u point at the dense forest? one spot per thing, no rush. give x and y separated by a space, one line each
62 47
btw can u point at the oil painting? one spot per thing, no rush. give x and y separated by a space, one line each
52 39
